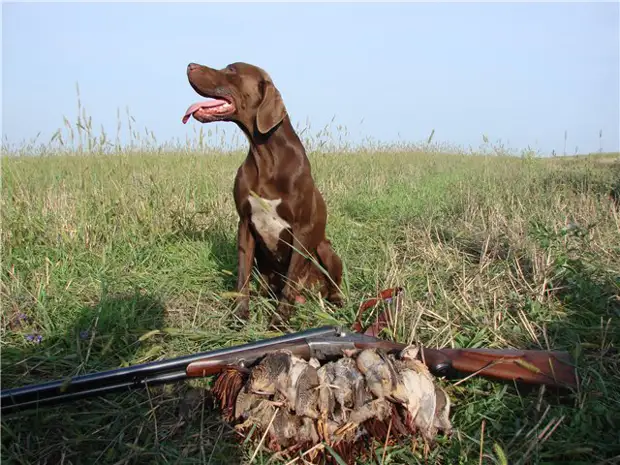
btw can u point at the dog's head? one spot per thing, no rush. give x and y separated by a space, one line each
241 93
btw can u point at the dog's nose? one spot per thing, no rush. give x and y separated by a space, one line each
192 67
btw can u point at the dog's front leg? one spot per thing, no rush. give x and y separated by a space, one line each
297 267
333 265
245 254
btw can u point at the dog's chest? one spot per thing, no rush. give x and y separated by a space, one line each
266 220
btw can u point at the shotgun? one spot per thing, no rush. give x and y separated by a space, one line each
325 343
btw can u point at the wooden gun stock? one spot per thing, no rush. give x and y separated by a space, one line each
552 368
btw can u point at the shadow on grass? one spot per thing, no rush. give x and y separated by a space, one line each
588 294
590 331
101 336
170 424
222 245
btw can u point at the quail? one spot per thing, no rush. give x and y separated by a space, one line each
301 392
348 385
442 411
285 427
379 375
326 399
417 392
308 432
245 402
260 415
270 375
378 408
288 429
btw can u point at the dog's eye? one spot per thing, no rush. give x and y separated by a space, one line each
230 69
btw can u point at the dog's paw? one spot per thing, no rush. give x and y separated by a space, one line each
242 309
282 315
336 299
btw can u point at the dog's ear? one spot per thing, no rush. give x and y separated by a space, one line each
271 110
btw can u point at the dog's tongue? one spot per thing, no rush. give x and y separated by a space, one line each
198 105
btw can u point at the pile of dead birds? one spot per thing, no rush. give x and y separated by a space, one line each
294 404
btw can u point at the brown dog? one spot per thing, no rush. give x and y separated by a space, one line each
282 215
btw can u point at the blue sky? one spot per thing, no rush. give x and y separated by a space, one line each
520 72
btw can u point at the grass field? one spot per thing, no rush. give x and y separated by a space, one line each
493 251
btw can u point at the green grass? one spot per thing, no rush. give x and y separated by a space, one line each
493 251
